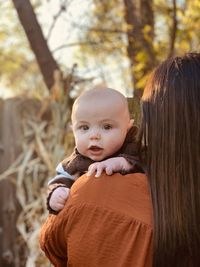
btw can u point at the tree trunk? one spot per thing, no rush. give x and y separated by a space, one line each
139 17
173 31
36 40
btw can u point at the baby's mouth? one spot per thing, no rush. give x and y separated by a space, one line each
95 151
95 148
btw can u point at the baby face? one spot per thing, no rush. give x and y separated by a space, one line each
100 128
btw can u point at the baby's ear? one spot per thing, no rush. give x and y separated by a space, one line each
130 124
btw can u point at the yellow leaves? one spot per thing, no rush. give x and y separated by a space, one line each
147 32
141 59
188 34
142 81
139 70
139 66
147 29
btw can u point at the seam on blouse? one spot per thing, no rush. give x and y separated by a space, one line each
71 209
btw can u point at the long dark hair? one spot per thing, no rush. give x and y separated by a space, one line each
171 130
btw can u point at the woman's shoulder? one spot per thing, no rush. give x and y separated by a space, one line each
127 194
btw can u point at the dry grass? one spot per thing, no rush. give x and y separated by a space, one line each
45 144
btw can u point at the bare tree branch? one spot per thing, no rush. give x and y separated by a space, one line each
62 9
74 44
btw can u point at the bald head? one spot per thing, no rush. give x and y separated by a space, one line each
105 98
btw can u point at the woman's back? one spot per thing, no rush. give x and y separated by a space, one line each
106 222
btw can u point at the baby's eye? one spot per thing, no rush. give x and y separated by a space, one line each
84 127
107 127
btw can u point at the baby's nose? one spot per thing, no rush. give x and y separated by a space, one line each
95 135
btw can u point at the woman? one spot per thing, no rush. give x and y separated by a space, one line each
113 225
171 127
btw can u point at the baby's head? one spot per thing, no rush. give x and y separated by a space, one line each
100 122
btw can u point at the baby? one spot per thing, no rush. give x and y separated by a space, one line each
105 140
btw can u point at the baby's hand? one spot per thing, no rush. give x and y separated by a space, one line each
58 198
109 166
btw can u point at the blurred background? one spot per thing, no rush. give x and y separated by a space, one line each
51 51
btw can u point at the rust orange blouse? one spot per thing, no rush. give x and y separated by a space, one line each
106 222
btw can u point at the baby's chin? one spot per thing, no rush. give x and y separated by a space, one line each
99 157
96 158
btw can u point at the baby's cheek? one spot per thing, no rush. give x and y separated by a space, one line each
82 147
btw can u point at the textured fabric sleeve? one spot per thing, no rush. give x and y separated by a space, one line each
76 163
52 241
131 145
136 163
70 169
130 151
63 177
